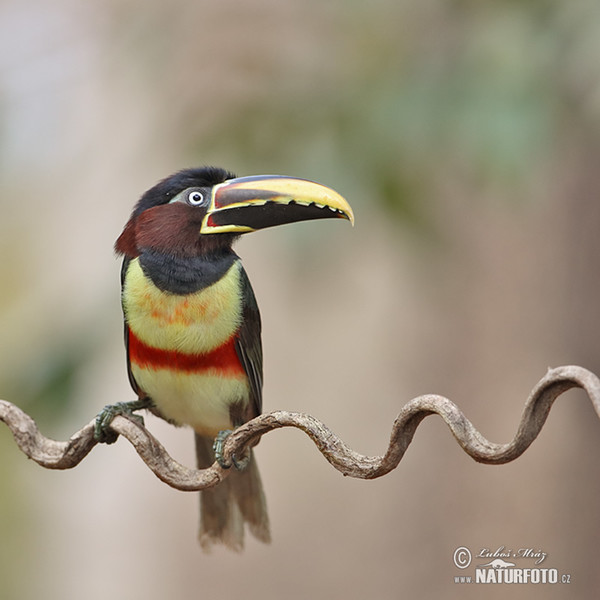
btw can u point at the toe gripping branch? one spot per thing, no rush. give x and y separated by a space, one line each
219 448
103 432
112 422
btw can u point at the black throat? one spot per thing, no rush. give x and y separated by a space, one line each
185 275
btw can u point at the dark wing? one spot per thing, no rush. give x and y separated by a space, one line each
132 380
249 347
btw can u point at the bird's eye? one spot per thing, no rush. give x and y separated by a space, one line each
195 198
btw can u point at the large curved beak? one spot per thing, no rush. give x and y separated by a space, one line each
249 203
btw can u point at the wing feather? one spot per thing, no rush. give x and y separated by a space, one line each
249 347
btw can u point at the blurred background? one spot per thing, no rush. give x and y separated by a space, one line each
466 136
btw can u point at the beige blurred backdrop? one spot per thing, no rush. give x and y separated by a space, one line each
466 136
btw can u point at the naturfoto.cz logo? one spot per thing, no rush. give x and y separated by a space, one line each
505 565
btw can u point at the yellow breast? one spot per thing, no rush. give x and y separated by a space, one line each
193 323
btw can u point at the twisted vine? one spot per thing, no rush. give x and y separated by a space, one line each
53 454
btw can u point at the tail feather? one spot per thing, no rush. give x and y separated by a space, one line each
226 507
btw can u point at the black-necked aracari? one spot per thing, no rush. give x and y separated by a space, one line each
192 325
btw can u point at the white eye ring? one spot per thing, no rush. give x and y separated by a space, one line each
195 198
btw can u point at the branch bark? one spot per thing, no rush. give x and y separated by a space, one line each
53 454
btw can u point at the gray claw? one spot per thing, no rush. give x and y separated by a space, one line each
239 463
102 431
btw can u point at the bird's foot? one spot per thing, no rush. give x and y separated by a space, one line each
239 463
102 431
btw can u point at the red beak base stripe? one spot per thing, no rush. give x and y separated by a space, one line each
224 359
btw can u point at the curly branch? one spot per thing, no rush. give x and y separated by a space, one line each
65 455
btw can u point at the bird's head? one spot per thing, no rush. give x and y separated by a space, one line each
198 210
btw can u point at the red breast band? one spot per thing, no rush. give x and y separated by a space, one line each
223 359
